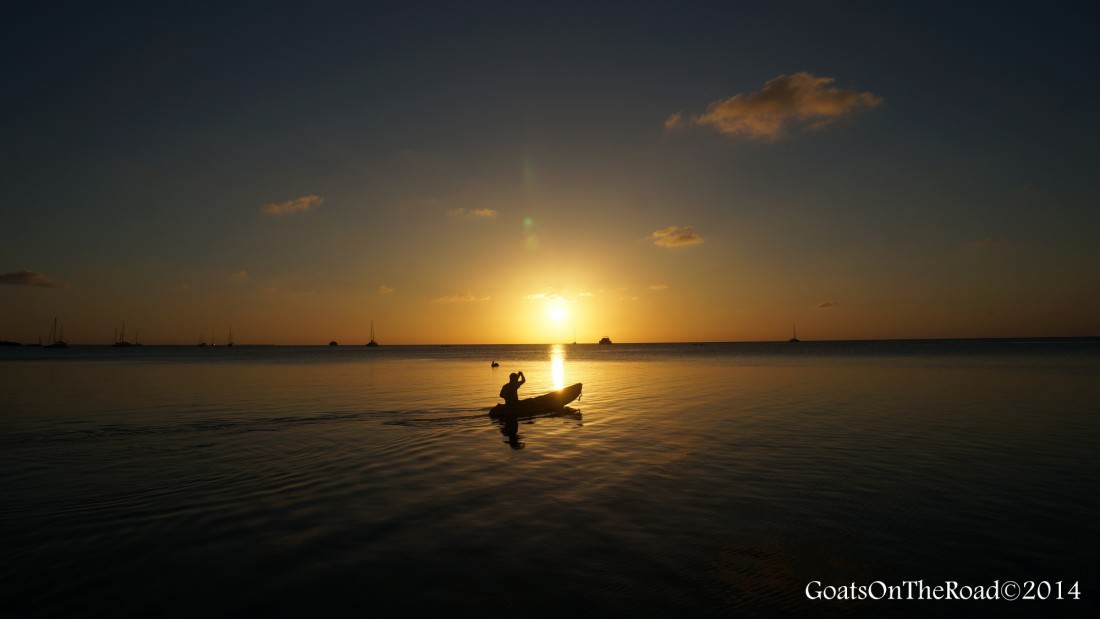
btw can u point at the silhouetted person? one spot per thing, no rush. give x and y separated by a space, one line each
510 392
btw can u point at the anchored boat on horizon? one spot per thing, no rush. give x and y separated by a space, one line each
57 336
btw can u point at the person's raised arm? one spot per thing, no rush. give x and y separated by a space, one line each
522 378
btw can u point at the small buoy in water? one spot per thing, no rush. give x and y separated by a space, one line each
494 365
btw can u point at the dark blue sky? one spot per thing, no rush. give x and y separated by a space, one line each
141 143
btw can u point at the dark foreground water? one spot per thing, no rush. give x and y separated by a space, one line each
690 480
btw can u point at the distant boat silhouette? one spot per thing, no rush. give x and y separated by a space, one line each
230 342
57 336
494 365
605 340
120 338
794 334
372 342
333 343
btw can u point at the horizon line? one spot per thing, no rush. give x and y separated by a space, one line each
13 343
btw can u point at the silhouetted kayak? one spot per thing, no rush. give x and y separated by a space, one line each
555 400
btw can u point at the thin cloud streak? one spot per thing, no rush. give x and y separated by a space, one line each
28 278
473 213
551 297
301 204
468 297
676 236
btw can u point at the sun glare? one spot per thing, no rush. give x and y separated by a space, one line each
557 313
557 365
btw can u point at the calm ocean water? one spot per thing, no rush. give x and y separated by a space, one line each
695 480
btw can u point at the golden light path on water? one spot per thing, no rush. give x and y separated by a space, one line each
557 365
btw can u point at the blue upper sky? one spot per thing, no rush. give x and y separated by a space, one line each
143 143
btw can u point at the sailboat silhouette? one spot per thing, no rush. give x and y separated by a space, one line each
120 338
794 334
57 336
372 342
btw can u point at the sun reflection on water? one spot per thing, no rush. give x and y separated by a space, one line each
557 365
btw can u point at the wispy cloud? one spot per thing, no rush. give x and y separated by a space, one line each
384 289
467 297
658 287
676 236
473 213
300 204
827 304
675 121
786 102
28 278
549 296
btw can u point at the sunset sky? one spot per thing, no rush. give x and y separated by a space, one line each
539 172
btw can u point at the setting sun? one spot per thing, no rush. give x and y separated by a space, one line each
557 313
